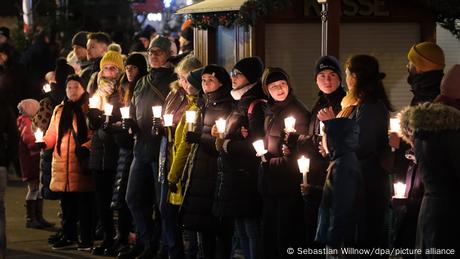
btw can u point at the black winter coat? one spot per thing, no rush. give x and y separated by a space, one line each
236 192
199 196
280 175
151 90
9 135
436 142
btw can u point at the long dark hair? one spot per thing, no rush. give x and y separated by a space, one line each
369 85
68 110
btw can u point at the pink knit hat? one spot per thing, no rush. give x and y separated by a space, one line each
29 107
450 84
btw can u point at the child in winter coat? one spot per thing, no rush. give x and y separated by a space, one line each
30 164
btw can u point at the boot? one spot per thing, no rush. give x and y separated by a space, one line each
31 215
39 215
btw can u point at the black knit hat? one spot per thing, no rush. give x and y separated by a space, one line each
5 32
194 78
220 73
75 77
138 60
252 68
273 74
62 71
328 62
80 39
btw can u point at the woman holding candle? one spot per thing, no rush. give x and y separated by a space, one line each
433 130
135 68
70 136
30 163
237 195
199 194
176 104
279 177
341 206
367 103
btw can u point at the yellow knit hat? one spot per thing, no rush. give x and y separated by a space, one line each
426 56
114 58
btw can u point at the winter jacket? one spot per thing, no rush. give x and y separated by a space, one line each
66 176
28 158
151 90
280 175
89 70
236 187
341 205
9 137
436 141
180 153
199 196
13 83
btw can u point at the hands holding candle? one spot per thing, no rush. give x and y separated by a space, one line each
259 146
107 111
46 88
304 167
395 129
220 124
289 124
168 120
38 136
190 118
400 190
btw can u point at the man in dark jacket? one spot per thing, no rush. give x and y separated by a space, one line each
96 46
425 68
151 90
78 44
236 196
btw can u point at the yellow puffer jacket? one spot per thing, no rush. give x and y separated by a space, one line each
181 150
65 175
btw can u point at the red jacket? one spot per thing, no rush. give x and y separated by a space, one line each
29 159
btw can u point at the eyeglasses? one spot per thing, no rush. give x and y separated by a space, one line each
235 73
156 52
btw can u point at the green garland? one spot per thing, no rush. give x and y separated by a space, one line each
248 14
447 14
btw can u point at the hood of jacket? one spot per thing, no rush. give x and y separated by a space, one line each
428 117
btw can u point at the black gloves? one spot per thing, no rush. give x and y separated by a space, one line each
39 145
81 152
95 118
157 128
291 141
193 137
172 187
127 124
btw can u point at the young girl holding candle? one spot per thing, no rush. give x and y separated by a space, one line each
30 164
279 177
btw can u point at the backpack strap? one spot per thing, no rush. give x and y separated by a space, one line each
253 104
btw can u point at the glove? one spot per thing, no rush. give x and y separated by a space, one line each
192 137
291 141
106 126
39 146
95 118
81 152
157 128
219 144
172 187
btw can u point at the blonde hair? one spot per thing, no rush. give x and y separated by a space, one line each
188 64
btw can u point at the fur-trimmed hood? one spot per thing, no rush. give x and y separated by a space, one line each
428 117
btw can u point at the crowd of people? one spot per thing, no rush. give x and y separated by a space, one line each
134 149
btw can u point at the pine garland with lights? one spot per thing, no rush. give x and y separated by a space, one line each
248 14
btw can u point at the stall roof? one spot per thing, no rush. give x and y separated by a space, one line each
209 6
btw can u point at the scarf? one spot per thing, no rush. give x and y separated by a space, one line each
65 123
349 103
238 93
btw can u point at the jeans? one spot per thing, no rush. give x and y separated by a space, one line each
248 230
140 197
3 180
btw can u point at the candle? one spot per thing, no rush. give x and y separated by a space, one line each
321 128
289 124
108 109
168 120
124 112
46 88
38 135
395 125
259 147
400 190
190 118
156 111
94 102
220 124
304 167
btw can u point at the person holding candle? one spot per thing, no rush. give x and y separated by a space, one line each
328 75
367 103
283 222
176 104
237 195
200 190
433 130
341 208
151 90
71 137
30 164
